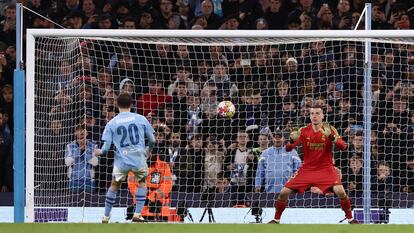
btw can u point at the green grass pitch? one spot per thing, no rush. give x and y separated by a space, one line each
200 228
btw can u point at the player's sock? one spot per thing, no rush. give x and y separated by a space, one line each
346 207
140 196
280 207
110 199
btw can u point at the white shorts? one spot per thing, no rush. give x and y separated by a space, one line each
119 175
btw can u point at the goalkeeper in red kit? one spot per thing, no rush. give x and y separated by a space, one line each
317 168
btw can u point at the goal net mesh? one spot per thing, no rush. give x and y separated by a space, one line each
178 83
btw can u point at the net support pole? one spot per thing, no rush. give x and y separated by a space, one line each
19 123
367 120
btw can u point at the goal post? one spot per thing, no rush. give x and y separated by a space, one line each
66 67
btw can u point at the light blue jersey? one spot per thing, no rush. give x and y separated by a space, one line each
127 131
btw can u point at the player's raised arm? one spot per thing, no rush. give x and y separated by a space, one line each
295 138
333 135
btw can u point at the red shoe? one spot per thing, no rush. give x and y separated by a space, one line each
353 221
350 221
274 221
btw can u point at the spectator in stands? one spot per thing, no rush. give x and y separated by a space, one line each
213 163
185 14
226 89
170 122
80 160
154 99
89 8
128 23
127 85
407 176
8 25
231 22
105 22
340 117
305 21
195 156
384 182
199 23
184 74
355 17
379 20
8 63
357 145
288 112
207 11
120 11
353 174
179 103
264 141
175 152
91 125
125 68
303 116
222 183
6 157
146 20
276 166
166 11
194 117
209 99
139 6
6 102
261 24
343 18
325 16
240 166
105 81
216 55
202 73
50 168
74 20
282 90
276 16
182 57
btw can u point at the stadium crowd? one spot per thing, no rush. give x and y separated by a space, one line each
178 88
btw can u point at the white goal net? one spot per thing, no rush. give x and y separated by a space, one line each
216 162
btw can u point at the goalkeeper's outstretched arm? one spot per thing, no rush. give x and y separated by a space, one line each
295 138
334 136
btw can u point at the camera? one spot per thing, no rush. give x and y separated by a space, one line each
183 212
257 211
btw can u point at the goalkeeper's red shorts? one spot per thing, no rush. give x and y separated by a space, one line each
323 178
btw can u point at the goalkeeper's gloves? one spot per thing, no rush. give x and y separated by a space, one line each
330 132
294 135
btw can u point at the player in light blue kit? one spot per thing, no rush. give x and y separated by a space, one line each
127 131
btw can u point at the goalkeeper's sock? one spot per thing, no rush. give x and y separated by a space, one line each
110 199
140 197
280 207
346 207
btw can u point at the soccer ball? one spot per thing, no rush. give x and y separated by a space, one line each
226 109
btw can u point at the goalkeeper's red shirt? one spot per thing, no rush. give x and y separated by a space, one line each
316 148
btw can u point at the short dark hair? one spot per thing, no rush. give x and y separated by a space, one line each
359 133
183 83
129 18
80 127
124 100
315 105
